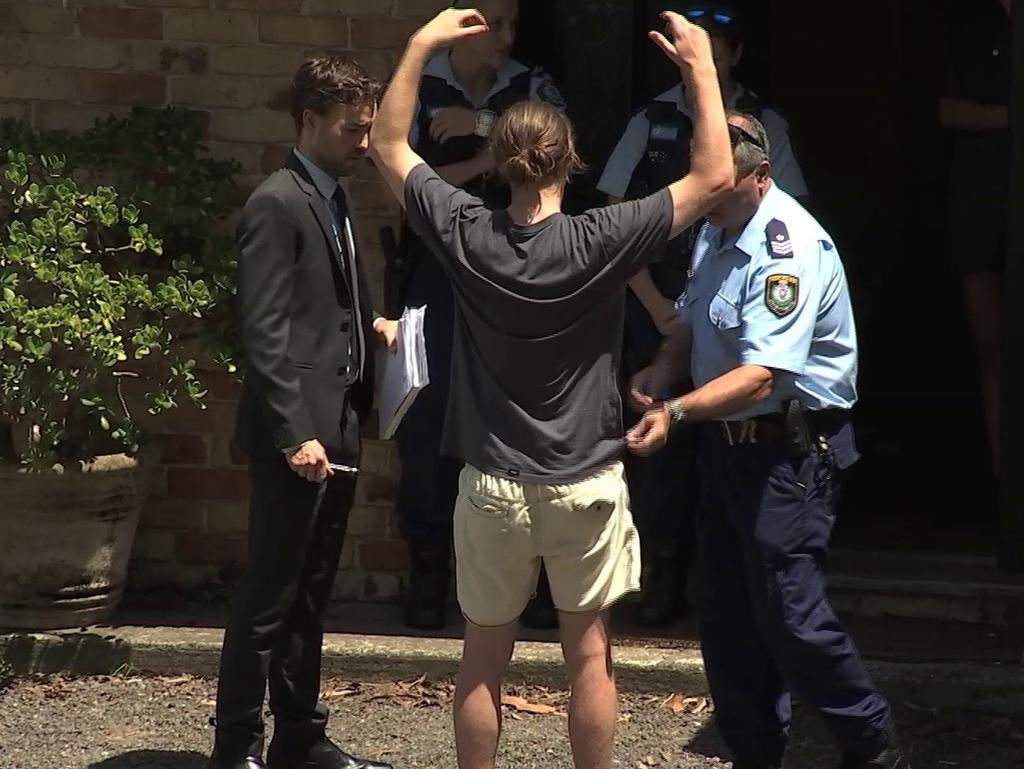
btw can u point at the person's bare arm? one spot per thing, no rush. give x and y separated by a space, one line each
389 139
670 367
712 172
972 115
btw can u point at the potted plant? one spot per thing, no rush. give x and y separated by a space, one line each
97 312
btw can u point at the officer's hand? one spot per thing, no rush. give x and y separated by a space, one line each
310 462
452 122
450 26
650 433
684 43
641 390
387 333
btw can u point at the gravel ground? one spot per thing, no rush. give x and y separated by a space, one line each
127 722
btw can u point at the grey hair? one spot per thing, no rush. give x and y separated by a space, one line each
747 156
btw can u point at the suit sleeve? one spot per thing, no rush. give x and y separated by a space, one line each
266 279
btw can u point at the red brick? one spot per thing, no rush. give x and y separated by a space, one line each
256 126
236 92
36 85
230 517
376 489
172 3
256 60
121 23
76 118
13 51
372 196
382 33
216 418
75 54
368 522
35 20
16 109
178 59
211 26
209 547
383 555
275 94
351 7
116 88
420 8
154 545
274 157
215 484
155 481
248 158
305 30
172 514
274 6
184 450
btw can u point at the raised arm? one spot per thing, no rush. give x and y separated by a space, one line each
389 139
712 173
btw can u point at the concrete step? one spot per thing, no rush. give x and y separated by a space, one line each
930 586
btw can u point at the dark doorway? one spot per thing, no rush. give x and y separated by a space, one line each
860 89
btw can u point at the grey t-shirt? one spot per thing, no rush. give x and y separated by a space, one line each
538 327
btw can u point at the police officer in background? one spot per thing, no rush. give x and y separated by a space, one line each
766 331
652 153
462 93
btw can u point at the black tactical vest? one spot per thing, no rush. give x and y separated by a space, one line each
666 160
436 94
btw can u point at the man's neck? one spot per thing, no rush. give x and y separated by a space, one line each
530 206
304 146
476 80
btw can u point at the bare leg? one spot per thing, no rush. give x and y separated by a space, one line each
485 656
984 298
594 705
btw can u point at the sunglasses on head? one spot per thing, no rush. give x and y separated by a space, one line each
720 17
738 133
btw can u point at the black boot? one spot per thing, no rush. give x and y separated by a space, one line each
540 613
663 600
890 758
426 602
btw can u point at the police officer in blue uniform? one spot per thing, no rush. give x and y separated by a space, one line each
766 331
462 93
653 152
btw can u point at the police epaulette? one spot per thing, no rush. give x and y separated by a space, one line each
779 244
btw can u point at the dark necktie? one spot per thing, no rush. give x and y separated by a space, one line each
347 247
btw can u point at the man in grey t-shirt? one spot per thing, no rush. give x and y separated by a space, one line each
534 407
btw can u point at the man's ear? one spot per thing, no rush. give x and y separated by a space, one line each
764 171
309 119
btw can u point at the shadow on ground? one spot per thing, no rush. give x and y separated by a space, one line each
154 759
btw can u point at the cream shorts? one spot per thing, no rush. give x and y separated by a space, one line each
582 532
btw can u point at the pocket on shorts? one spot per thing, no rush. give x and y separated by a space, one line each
486 506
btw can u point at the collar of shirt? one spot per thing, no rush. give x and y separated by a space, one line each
325 184
676 95
441 66
752 237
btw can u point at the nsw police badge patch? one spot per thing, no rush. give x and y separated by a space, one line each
782 293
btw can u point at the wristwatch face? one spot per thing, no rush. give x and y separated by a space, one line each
484 121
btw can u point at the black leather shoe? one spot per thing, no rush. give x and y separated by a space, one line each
324 754
249 762
540 613
890 758
426 604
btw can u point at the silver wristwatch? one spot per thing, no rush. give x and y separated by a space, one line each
484 123
676 411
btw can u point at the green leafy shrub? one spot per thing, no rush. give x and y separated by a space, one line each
113 265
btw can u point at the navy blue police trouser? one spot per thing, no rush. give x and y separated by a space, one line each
429 484
766 624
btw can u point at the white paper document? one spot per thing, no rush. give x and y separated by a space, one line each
404 372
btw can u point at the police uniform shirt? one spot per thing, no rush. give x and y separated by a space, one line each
542 87
774 296
622 164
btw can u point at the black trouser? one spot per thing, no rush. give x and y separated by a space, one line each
296 532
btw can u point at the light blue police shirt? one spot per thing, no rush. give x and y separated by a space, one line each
775 296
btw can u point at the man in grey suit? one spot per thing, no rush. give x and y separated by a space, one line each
307 326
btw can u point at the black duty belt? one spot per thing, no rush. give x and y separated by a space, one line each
770 428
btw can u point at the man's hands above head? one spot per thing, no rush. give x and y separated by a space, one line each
449 27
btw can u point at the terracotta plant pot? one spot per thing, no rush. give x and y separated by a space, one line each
65 540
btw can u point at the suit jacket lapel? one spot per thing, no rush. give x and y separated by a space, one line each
321 212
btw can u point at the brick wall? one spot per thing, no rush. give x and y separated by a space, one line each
64 63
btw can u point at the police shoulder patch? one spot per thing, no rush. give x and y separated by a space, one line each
548 91
782 294
779 244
